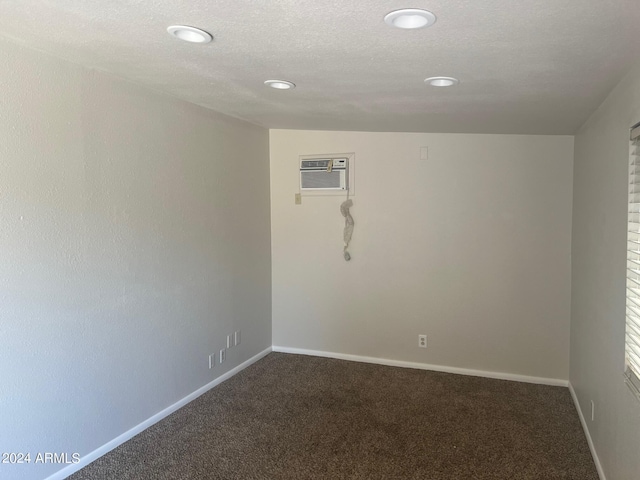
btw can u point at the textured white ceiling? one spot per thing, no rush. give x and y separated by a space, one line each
525 66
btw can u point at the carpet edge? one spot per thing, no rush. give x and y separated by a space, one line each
556 382
132 432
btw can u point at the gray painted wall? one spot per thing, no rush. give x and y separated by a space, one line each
470 246
134 235
598 280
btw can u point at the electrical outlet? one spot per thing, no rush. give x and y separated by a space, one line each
422 341
298 199
223 355
212 360
236 338
229 341
593 411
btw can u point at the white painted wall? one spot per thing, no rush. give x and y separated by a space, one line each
471 247
598 280
134 235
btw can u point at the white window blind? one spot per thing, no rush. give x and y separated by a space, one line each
632 336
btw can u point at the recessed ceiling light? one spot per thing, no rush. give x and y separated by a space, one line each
441 81
190 34
410 18
280 84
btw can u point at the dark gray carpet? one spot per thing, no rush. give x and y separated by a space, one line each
299 417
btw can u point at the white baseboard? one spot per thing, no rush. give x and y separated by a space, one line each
107 447
596 460
425 366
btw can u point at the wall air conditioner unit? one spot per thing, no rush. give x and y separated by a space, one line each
324 174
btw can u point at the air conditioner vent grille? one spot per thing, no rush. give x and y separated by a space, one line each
321 179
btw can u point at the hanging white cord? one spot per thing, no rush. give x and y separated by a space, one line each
348 224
